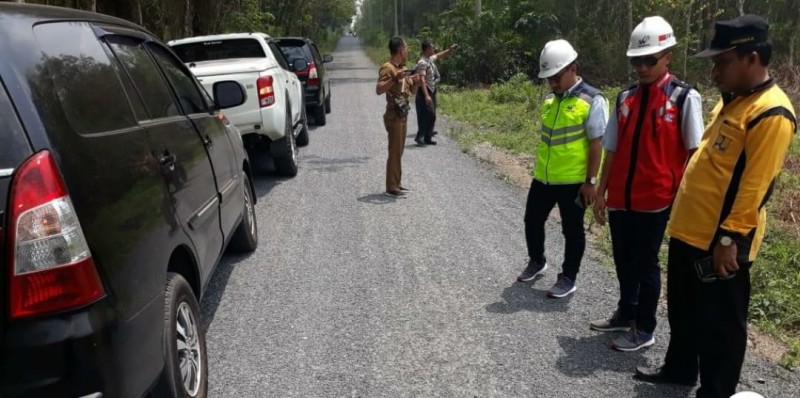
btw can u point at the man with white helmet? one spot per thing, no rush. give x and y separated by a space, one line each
656 126
573 120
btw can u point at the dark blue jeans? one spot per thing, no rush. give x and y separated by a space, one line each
426 116
636 240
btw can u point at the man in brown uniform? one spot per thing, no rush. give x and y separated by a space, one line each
396 82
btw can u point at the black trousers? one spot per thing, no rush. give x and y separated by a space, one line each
708 322
426 116
636 240
541 200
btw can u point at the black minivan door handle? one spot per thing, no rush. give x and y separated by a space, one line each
167 160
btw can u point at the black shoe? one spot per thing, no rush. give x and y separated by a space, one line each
533 269
434 133
660 376
430 142
419 141
395 194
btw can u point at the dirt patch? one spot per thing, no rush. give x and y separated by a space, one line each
513 167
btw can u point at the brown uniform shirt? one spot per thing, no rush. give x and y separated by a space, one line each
398 96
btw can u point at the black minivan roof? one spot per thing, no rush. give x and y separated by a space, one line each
33 13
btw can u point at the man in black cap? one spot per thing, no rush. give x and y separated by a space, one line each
719 216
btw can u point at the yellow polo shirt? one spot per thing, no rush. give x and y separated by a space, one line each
731 176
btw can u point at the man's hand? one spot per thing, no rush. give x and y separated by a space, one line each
429 101
725 260
453 47
588 194
600 209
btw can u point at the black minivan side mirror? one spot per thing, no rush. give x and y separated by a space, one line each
327 58
228 94
299 64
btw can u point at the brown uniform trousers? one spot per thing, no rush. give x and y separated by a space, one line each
395 123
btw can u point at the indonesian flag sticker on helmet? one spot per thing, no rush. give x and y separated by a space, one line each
556 55
651 36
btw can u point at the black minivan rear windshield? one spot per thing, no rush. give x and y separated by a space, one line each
219 49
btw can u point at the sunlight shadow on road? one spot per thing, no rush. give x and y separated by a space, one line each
217 285
647 390
377 199
521 297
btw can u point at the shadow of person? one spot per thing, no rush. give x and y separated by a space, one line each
583 356
647 390
521 297
377 199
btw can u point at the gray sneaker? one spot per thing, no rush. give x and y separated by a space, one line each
563 288
533 269
613 324
633 340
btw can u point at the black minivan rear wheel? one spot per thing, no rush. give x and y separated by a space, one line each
184 340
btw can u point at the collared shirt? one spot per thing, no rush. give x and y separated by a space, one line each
691 124
598 113
397 97
426 66
729 180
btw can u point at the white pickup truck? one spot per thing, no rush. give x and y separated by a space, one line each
273 119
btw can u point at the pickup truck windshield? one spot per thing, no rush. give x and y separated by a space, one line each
219 49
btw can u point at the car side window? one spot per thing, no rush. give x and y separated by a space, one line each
145 76
279 56
13 142
316 54
82 77
186 88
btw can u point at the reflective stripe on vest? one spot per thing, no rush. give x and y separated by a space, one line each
563 151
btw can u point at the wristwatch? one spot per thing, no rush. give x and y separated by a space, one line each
725 240
591 180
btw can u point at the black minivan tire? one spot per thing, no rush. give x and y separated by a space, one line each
320 118
287 164
328 104
245 238
180 305
302 137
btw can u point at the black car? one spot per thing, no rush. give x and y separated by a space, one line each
121 184
314 78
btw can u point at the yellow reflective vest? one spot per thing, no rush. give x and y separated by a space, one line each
563 152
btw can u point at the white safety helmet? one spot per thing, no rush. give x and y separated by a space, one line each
747 394
651 36
556 55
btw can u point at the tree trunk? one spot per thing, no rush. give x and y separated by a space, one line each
688 37
188 17
396 29
741 7
478 8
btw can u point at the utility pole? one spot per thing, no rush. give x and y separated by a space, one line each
478 8
396 28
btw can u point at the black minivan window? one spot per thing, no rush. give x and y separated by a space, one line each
14 146
86 85
185 87
145 76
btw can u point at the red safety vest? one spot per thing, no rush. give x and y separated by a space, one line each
650 157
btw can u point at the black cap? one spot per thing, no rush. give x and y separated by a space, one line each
745 30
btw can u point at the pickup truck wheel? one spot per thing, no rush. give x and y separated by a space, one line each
302 138
287 164
320 118
328 104
245 238
184 340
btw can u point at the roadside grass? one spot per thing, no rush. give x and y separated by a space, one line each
505 115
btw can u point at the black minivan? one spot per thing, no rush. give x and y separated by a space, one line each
121 184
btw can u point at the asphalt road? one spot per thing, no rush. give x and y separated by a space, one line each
353 294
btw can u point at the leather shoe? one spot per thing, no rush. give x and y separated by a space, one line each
660 376
430 142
